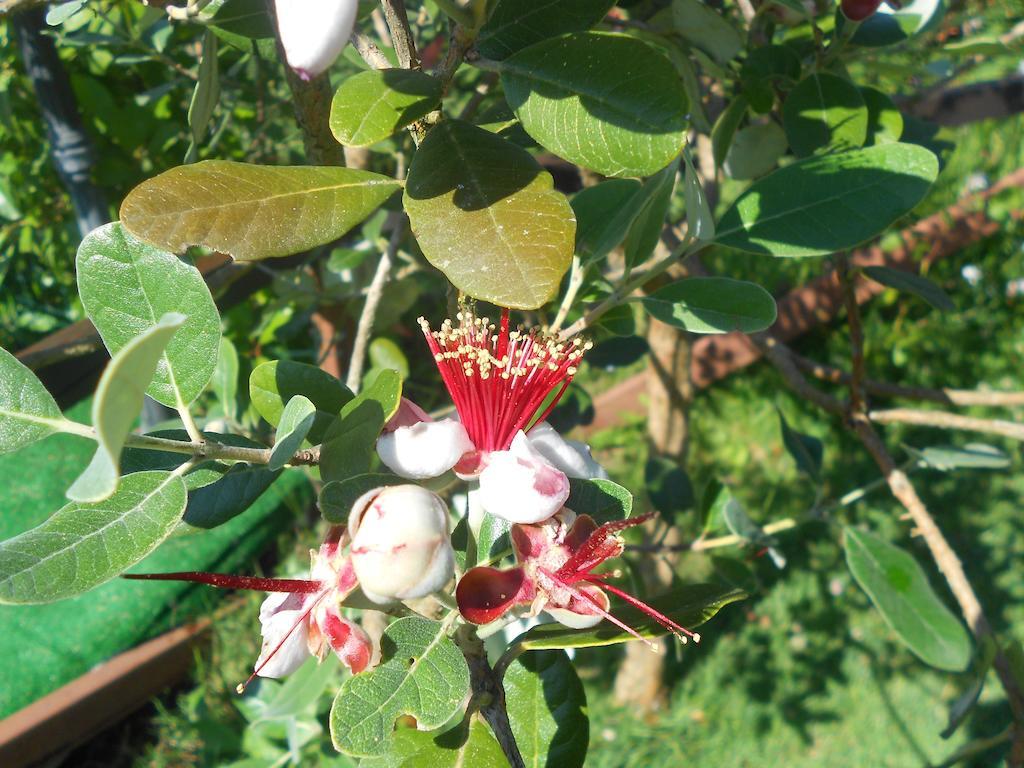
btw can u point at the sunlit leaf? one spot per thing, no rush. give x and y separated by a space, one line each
460 747
885 122
273 384
296 421
373 105
603 500
577 97
713 305
252 211
515 25
225 378
348 444
83 545
27 411
487 215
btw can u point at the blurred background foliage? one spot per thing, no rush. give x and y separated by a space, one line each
805 673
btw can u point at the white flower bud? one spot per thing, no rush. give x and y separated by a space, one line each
520 485
570 456
424 449
314 32
401 549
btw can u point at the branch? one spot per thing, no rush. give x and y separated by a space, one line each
946 420
858 399
369 51
401 34
961 397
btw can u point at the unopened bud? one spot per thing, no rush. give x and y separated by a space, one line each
314 32
401 549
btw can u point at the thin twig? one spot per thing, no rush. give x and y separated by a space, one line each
366 318
401 34
946 420
576 276
702 545
369 52
858 397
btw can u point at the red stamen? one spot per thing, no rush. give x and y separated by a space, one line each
579 593
240 688
227 581
681 632
599 546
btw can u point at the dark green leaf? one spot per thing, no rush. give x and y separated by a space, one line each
900 591
604 213
422 674
725 128
645 232
618 352
247 18
888 27
205 96
547 709
517 24
603 500
688 606
829 203
467 185
574 96
807 451
668 487
348 445
707 30
251 211
371 106
27 411
825 113
273 384
713 305
910 282
338 497
127 286
83 545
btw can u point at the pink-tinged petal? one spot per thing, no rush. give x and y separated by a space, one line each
347 639
284 624
485 594
408 413
424 449
603 544
519 485
570 456
530 542
582 529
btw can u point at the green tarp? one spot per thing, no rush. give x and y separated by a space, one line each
45 646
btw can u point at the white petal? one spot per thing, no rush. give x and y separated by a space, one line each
426 449
520 485
570 456
314 32
574 620
401 547
278 616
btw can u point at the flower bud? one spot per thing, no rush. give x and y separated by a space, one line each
858 10
314 32
416 447
520 485
401 547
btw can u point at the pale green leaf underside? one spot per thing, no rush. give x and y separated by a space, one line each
422 674
127 285
296 421
900 591
117 403
828 203
252 211
27 411
83 545
488 216
713 305
370 106
607 102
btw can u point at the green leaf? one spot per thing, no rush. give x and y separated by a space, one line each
371 106
339 496
422 674
27 411
515 25
603 500
83 545
807 451
645 232
617 352
575 96
970 456
910 282
885 123
765 69
252 211
58 14
296 421
205 96
225 378
668 487
888 26
962 706
348 445
900 591
705 29
547 709
492 539
273 384
829 203
713 497
384 353
825 113
126 286
725 128
604 214
467 185
217 492
246 18
460 747
700 222
688 606
713 305
117 404
755 150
